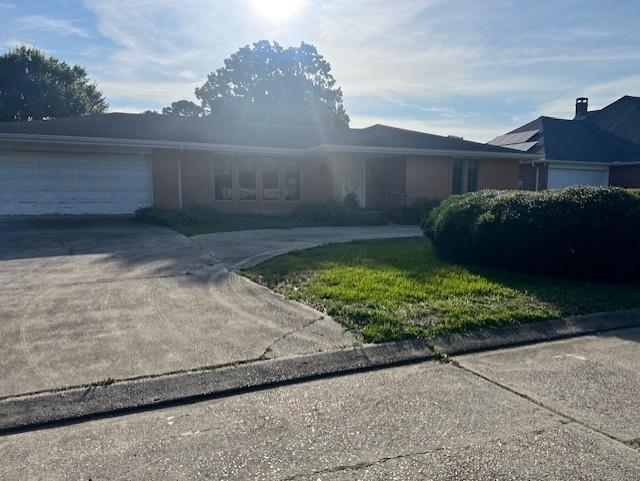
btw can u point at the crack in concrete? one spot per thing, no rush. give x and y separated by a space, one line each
526 397
363 465
270 347
386 459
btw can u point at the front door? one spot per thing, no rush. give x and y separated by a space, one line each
354 180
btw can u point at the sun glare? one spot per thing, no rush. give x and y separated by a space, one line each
277 11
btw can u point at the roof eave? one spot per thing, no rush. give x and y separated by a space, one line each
413 151
105 141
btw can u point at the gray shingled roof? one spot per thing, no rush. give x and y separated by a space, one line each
209 131
603 136
621 118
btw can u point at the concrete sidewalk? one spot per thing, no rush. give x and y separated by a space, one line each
560 410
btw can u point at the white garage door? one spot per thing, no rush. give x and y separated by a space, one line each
560 178
62 183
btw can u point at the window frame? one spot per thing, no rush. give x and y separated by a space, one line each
276 167
229 165
255 179
476 170
285 168
454 181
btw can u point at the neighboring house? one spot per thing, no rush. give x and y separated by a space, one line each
116 163
601 147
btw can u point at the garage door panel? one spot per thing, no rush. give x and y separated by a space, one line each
565 177
57 183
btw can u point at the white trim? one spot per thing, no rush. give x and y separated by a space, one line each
578 165
364 183
411 151
586 163
180 178
223 148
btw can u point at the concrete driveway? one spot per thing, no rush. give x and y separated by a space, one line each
84 300
564 410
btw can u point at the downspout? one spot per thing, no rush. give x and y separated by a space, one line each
537 175
180 177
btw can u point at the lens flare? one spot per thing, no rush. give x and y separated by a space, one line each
277 11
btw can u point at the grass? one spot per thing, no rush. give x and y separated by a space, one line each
397 289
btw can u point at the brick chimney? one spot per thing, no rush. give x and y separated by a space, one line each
582 106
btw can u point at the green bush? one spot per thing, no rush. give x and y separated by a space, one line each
336 213
414 213
350 201
188 216
581 232
200 219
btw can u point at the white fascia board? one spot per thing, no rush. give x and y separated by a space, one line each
579 164
223 148
411 151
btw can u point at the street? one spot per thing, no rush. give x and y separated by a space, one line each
559 410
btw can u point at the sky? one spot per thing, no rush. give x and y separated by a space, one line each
472 68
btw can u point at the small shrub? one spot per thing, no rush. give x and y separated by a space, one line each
350 201
336 213
187 216
582 232
412 214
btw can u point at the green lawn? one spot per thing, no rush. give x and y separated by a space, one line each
396 289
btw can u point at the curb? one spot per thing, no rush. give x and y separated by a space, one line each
521 334
81 404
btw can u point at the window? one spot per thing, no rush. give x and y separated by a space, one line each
222 175
472 175
457 186
292 180
270 180
247 179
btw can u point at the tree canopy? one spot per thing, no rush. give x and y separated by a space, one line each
184 108
266 82
33 86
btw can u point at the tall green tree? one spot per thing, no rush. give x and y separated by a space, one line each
33 86
183 108
266 82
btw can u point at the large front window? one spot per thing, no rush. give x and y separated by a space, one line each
223 180
472 175
270 180
247 179
457 178
292 180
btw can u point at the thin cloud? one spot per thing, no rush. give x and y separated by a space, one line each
599 94
50 24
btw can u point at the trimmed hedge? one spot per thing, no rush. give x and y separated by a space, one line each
331 213
334 213
579 232
414 213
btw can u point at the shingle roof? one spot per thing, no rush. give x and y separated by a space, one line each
578 140
209 131
603 136
621 118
